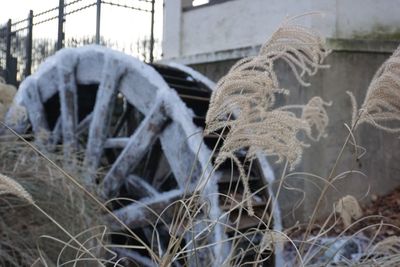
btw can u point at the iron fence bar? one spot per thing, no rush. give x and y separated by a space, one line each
60 34
152 32
98 14
8 51
28 65
125 6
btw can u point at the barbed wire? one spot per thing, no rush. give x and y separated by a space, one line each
20 29
56 8
74 11
147 1
80 9
45 20
45 12
125 6
18 22
72 3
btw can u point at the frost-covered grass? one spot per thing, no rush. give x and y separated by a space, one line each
60 223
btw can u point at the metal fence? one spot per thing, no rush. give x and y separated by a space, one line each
21 52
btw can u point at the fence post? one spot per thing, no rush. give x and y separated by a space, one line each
8 51
98 21
152 33
60 37
28 65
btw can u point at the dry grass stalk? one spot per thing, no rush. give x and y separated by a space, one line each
7 93
53 194
248 94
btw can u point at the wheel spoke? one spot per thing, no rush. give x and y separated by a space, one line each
112 72
180 156
147 210
138 186
37 115
116 142
139 143
84 124
55 135
69 105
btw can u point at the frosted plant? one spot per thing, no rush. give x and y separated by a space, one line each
244 101
10 186
315 115
7 93
349 209
273 132
381 106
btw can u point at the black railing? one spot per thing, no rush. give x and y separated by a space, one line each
21 53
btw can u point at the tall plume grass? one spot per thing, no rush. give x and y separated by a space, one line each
243 102
381 106
244 106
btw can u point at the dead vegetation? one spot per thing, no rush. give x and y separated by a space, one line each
244 104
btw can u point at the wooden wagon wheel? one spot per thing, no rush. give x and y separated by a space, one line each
74 98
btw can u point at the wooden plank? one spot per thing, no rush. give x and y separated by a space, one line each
138 187
36 114
84 124
69 106
139 214
180 156
55 135
138 145
113 70
116 142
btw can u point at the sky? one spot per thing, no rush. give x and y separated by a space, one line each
118 24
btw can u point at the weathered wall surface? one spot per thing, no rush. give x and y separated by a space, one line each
360 32
352 71
237 24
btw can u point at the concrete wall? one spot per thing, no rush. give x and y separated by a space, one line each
212 38
350 70
237 24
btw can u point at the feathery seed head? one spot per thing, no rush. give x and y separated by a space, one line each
381 106
10 186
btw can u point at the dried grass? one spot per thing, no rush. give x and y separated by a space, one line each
7 93
244 101
349 209
23 227
381 106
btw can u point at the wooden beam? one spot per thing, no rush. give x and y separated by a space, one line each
36 114
139 143
113 70
116 142
146 211
184 163
69 106
138 187
84 124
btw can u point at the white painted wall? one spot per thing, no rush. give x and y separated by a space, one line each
242 23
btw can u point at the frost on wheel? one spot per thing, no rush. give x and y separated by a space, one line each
137 128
